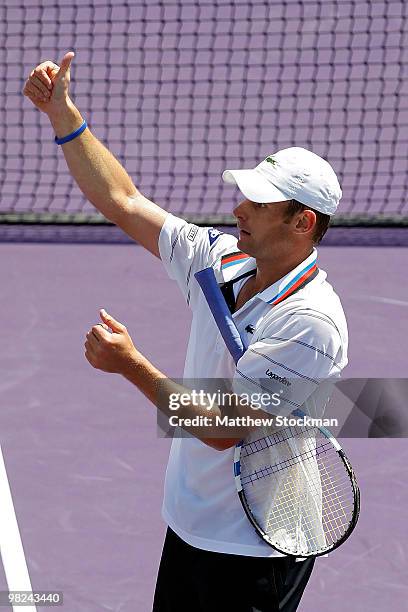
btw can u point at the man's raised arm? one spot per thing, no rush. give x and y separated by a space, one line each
99 175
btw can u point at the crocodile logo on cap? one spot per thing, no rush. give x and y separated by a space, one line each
271 160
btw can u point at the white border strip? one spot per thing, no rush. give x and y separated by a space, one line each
11 546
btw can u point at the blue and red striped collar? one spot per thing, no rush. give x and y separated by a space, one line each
233 259
291 282
234 264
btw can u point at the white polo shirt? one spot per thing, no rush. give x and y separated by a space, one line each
301 338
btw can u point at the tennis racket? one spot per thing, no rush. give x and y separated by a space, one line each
296 485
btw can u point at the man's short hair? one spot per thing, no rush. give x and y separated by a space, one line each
322 220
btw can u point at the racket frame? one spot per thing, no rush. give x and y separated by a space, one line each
355 489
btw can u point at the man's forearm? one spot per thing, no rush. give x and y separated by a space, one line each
158 388
101 178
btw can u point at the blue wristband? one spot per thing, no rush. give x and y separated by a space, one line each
71 136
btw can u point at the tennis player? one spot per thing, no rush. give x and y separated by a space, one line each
292 320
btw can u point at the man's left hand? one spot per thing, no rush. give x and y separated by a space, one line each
109 347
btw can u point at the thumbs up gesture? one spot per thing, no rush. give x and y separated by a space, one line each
109 347
48 84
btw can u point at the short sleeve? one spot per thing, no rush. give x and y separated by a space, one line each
296 363
186 249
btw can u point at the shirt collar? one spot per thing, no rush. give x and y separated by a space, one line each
237 263
283 287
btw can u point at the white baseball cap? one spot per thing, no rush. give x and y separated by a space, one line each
290 174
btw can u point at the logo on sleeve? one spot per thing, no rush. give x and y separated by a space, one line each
213 235
193 231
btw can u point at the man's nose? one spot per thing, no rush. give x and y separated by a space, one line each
240 210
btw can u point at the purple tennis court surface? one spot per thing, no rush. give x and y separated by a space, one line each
84 460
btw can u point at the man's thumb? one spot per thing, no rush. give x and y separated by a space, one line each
65 64
114 325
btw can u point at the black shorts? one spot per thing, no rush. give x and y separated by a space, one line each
195 580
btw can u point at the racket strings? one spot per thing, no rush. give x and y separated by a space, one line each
286 463
276 437
298 490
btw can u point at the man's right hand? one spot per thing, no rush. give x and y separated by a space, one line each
98 174
48 84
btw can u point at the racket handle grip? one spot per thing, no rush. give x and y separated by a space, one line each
221 313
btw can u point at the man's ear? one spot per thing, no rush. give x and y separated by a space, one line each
305 221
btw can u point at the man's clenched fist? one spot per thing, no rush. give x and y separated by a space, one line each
109 347
48 84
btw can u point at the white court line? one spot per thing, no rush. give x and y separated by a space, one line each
11 546
385 300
